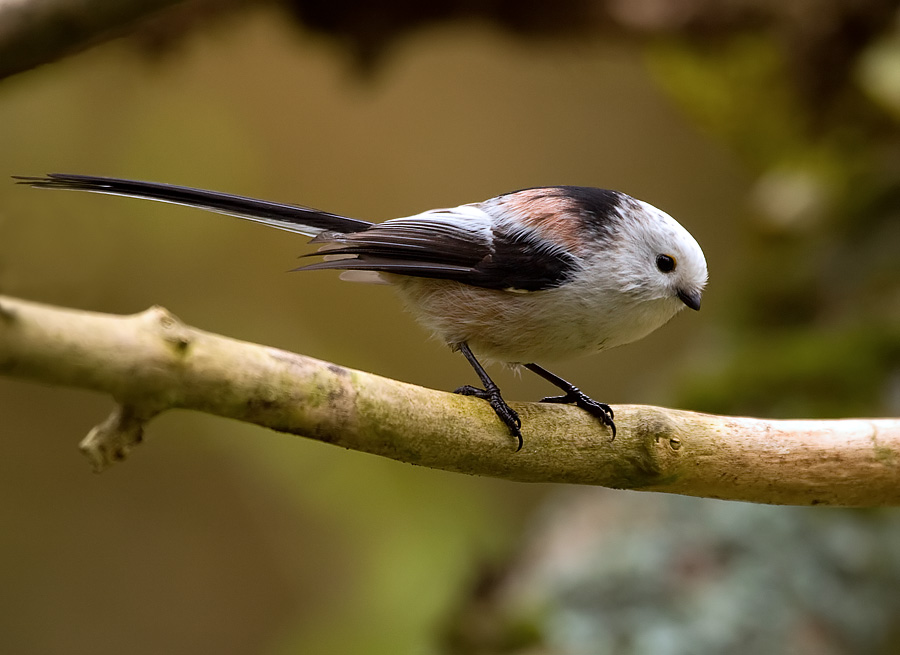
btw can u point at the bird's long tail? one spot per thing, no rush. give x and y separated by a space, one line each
292 218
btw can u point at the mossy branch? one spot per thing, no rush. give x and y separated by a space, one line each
151 362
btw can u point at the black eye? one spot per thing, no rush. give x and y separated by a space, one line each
665 263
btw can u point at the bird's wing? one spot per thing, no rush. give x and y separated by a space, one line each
463 243
292 218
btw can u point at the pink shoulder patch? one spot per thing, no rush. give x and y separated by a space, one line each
549 212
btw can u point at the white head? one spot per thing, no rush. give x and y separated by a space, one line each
653 265
668 261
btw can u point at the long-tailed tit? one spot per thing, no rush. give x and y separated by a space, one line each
548 272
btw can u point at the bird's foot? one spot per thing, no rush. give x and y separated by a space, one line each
578 398
503 411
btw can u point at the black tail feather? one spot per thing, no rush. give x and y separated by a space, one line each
292 218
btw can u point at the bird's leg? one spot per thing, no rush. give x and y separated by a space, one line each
491 393
574 395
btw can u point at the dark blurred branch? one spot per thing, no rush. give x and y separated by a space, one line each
151 362
35 32
820 41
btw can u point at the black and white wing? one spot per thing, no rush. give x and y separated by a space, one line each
465 244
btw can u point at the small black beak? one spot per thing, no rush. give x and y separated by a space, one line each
691 298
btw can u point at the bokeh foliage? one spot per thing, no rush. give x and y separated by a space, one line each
781 156
814 319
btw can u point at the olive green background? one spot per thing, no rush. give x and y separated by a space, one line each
221 537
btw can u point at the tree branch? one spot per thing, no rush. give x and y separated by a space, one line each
150 362
35 32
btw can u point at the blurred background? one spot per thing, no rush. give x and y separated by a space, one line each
770 132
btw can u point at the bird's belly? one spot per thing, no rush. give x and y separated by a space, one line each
523 327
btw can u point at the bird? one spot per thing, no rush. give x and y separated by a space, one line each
539 273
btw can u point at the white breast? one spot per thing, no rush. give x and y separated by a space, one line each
560 323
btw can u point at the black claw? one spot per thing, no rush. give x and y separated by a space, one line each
575 396
491 393
578 398
503 411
